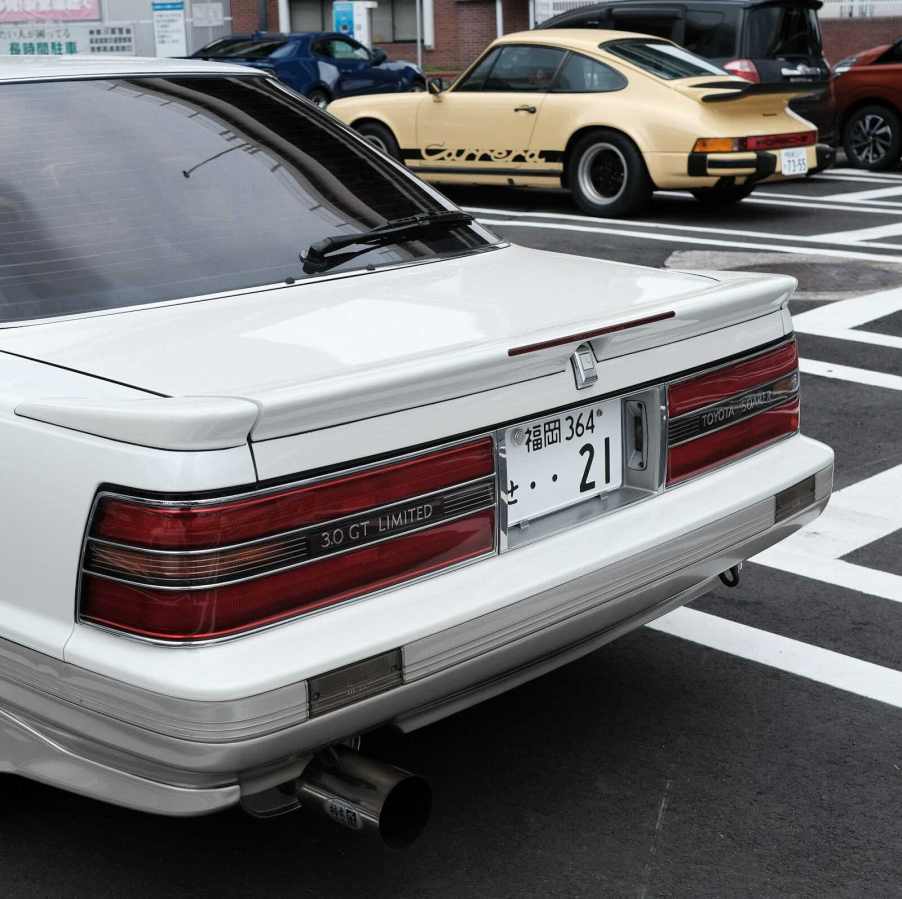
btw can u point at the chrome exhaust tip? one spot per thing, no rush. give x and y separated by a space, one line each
366 795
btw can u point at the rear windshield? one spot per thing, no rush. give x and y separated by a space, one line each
782 30
661 59
124 192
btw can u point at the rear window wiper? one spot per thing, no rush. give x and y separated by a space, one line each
393 231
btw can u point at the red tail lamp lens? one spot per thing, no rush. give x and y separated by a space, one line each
704 453
684 396
721 414
231 609
199 525
196 570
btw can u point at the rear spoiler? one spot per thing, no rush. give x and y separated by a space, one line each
736 90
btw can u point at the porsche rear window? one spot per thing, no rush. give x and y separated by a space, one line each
125 192
661 59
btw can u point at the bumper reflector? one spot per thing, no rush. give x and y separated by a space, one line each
793 499
343 686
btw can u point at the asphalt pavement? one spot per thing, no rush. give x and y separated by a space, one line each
749 745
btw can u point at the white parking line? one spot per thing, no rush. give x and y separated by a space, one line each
812 662
851 313
857 196
859 234
667 226
856 175
673 237
856 516
796 201
860 173
849 373
838 320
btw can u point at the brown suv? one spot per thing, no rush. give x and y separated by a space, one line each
868 89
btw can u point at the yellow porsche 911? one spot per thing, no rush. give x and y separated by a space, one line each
609 115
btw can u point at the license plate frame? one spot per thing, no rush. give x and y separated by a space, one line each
794 161
540 478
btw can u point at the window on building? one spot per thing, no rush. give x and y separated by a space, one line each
524 68
711 34
579 74
392 20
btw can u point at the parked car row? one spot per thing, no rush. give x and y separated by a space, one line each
321 65
611 116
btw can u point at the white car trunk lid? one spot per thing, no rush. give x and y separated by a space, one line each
321 354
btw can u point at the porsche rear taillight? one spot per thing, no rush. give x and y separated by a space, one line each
174 569
721 414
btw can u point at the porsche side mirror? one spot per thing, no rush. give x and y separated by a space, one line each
379 57
435 86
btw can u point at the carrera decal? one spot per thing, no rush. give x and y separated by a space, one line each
475 154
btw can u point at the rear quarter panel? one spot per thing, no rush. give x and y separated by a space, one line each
48 478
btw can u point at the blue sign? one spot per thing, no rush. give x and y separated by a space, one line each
343 17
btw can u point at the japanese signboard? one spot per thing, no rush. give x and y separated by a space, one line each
169 28
61 39
207 15
49 10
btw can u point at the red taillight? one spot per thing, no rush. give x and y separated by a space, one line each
743 68
195 525
721 414
782 141
211 568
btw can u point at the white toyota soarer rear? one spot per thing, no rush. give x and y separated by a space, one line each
257 506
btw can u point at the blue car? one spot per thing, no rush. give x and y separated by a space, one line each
321 65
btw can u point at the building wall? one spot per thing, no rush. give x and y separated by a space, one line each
843 37
463 28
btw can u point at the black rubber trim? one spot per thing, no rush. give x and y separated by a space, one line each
826 156
732 164
732 92
462 170
700 166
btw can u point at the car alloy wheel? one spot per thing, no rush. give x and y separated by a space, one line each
871 139
603 173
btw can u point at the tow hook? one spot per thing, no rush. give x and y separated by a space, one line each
731 576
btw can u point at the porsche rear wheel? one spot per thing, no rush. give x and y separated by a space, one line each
607 176
380 137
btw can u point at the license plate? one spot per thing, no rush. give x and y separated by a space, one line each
561 460
794 162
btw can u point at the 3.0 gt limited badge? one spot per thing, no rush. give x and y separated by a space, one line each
399 518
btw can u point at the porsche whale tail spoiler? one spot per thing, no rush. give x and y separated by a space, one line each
730 91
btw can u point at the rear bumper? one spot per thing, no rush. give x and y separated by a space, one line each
94 735
671 171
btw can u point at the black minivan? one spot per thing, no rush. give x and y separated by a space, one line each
759 40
